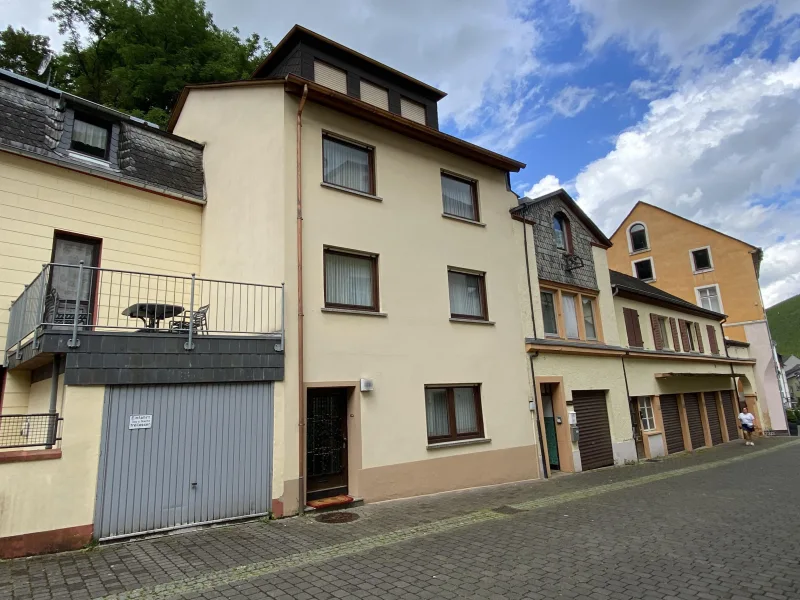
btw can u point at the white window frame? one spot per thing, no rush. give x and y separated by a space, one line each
555 298
666 337
628 237
650 415
652 266
705 287
695 270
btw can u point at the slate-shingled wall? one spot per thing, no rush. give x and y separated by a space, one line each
29 120
549 259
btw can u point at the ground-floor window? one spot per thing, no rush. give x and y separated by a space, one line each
646 413
453 413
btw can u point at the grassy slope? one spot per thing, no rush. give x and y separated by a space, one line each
784 323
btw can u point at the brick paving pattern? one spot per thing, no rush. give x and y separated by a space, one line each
670 529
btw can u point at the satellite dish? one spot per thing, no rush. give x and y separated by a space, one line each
44 64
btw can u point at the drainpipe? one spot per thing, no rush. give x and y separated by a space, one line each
53 398
301 399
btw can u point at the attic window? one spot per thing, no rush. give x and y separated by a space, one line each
329 76
638 234
562 233
90 138
412 110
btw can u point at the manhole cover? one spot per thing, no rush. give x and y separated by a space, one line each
507 510
336 517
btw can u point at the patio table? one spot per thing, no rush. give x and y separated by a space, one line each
152 313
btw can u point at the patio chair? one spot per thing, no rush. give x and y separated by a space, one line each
60 311
198 323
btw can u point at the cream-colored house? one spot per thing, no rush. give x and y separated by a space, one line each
305 294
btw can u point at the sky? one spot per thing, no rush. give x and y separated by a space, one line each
690 105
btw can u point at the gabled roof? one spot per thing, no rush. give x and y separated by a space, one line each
358 108
644 292
573 206
298 33
640 202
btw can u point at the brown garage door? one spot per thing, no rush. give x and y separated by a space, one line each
692 404
731 415
713 418
594 440
672 424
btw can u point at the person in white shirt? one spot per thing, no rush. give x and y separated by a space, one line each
747 420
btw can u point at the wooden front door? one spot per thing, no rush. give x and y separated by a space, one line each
326 443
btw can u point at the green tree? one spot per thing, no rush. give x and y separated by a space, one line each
136 55
22 51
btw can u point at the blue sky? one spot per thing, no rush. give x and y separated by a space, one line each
693 105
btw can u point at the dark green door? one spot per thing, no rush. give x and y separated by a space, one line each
552 441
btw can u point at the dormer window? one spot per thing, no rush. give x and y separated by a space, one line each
329 76
412 110
562 233
90 138
638 237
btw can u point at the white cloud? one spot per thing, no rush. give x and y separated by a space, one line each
547 184
722 150
572 100
676 29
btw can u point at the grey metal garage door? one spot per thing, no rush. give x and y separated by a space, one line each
712 413
671 416
696 434
176 455
594 441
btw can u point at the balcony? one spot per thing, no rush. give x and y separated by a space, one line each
120 320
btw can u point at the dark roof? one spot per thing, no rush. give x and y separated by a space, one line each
637 287
737 343
36 122
567 199
367 112
298 33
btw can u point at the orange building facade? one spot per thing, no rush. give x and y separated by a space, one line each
713 270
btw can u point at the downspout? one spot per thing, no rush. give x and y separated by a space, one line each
301 396
539 439
53 398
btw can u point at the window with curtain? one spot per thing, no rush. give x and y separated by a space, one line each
549 313
453 413
638 235
459 197
467 295
570 309
560 231
351 280
348 165
588 317
646 413
663 330
90 139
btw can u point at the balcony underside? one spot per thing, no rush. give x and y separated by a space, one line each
123 358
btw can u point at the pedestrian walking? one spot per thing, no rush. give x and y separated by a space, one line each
747 420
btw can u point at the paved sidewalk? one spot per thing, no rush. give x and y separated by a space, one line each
656 530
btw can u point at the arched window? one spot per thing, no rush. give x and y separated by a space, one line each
562 232
638 237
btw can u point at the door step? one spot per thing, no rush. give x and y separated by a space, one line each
333 503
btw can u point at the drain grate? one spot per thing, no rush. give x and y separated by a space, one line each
337 517
507 510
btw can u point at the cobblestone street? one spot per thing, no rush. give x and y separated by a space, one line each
721 523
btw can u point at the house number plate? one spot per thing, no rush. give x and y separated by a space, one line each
140 422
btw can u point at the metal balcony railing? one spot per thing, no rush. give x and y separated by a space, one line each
79 299
25 431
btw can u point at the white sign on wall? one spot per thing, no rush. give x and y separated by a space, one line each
140 422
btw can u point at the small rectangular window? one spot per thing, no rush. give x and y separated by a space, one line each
375 95
570 309
90 138
348 165
329 76
665 338
413 110
643 269
701 260
588 318
453 413
351 280
459 197
646 413
709 298
467 295
690 336
549 313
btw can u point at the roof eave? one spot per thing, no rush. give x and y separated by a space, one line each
640 294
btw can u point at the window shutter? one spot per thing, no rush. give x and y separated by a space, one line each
699 338
375 95
329 76
712 339
676 340
657 341
632 327
412 110
684 327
